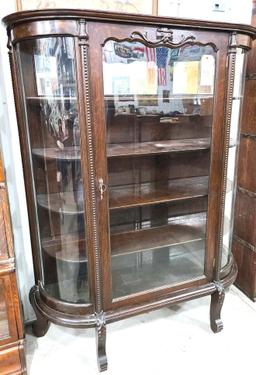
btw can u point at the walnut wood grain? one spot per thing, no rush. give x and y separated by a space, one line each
20 17
153 193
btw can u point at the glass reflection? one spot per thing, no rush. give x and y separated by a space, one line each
54 137
234 139
158 104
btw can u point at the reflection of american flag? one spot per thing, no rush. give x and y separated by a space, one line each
161 76
159 56
151 54
161 60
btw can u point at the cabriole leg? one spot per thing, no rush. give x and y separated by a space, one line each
101 342
217 299
41 325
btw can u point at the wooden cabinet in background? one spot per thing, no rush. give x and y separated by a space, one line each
129 145
12 357
244 242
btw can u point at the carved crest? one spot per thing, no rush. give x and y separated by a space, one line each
164 37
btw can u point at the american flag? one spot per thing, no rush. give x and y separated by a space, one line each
159 56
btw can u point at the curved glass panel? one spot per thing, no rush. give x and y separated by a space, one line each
234 138
49 77
158 104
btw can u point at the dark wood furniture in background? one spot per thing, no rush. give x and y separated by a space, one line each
244 240
129 145
12 357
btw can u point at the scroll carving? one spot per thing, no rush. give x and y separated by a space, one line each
217 300
164 37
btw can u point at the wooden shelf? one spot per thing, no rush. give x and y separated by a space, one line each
156 97
131 195
68 153
157 147
60 202
127 149
177 119
67 248
152 193
164 119
184 230
52 98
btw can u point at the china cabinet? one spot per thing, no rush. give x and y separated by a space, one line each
129 132
12 357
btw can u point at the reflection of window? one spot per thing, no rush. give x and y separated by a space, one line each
132 68
137 78
46 74
194 77
54 66
121 85
185 77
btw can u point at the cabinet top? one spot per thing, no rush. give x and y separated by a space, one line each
53 14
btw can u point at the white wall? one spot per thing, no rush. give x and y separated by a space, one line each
202 9
234 10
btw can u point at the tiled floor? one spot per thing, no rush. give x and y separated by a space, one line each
176 341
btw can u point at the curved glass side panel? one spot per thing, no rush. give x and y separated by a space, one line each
48 72
233 146
159 104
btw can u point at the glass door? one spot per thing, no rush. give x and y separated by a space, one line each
48 72
158 110
8 328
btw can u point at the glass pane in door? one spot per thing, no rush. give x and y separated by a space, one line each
4 324
49 77
158 105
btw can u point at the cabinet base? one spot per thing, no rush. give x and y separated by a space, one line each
42 324
46 314
217 300
101 347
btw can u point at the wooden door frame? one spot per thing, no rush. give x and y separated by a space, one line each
97 40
